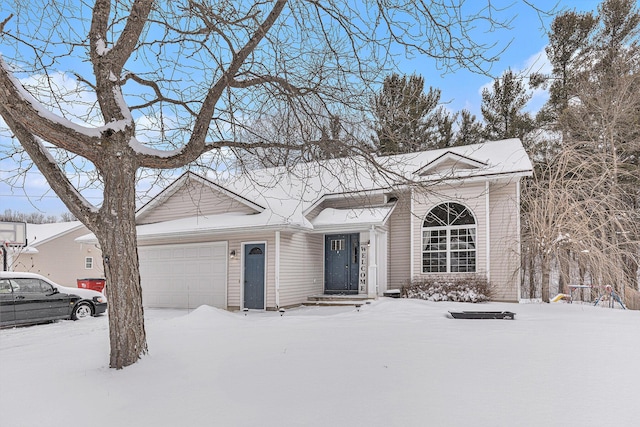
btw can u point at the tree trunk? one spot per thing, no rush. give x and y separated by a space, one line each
118 241
564 264
545 280
532 275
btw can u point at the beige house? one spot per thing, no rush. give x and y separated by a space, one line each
53 252
273 238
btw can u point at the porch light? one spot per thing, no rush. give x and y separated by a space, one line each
368 243
232 254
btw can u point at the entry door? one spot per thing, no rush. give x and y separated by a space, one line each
341 256
254 276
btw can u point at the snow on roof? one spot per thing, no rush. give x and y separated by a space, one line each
291 192
211 224
332 218
37 234
286 194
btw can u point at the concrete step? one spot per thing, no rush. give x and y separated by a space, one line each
338 300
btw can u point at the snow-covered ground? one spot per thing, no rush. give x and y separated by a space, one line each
393 363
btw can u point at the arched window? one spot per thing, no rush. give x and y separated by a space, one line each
449 240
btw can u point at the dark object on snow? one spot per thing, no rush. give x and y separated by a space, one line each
392 293
483 315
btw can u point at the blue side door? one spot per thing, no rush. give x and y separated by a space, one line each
254 276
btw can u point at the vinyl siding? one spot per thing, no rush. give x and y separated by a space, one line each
473 196
301 267
61 259
399 243
234 266
505 256
503 227
193 199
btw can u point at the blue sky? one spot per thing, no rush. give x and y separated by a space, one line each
460 89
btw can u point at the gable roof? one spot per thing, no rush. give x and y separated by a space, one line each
282 197
183 180
450 161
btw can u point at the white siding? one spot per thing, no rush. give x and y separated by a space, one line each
399 243
505 254
470 195
234 272
193 199
301 267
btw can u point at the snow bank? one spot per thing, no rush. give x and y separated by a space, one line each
396 362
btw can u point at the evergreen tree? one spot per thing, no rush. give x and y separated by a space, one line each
502 108
404 115
469 129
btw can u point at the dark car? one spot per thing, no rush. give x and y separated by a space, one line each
27 298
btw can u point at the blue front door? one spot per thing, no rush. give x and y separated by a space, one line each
341 257
254 276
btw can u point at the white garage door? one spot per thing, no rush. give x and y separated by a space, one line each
184 276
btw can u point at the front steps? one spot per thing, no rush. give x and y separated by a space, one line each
338 300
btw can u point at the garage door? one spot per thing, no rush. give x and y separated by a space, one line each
184 276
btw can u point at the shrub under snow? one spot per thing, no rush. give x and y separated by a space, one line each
467 289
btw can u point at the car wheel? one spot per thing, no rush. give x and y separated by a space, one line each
82 311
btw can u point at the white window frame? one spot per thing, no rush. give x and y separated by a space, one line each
448 250
88 265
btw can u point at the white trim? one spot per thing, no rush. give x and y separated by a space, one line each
266 264
85 262
448 229
519 242
277 268
412 238
487 231
345 195
372 282
465 161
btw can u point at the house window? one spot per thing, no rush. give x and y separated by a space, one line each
88 262
337 245
255 251
449 240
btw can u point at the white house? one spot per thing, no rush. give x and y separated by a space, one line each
274 237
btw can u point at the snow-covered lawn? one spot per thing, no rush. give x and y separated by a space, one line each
393 363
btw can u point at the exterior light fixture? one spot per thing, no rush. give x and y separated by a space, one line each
232 254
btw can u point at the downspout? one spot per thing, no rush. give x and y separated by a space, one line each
277 272
487 229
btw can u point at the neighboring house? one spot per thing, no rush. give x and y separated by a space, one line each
272 238
53 252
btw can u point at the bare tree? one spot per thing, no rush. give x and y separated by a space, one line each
118 90
572 217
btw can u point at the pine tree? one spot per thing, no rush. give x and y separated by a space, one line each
404 115
502 108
